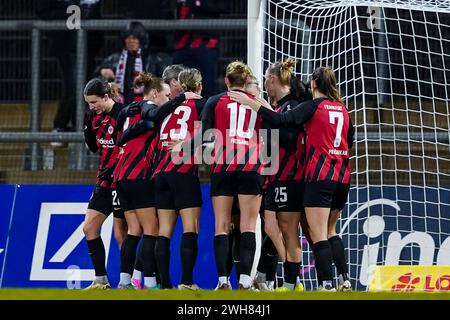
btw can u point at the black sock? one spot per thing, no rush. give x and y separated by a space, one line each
337 248
138 264
188 251
235 249
262 263
96 251
318 274
271 260
291 272
128 253
148 255
322 252
221 252
230 258
247 250
162 254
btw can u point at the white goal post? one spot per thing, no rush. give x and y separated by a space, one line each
392 62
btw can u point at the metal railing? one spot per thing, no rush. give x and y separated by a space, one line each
37 26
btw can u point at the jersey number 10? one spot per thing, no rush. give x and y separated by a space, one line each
237 121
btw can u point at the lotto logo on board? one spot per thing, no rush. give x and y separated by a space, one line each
411 282
410 278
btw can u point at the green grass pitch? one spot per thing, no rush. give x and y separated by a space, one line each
64 294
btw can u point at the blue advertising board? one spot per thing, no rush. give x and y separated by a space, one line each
7 193
42 242
47 247
395 225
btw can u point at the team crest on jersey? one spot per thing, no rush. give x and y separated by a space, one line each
110 130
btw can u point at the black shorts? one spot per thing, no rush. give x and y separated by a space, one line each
234 183
136 194
105 200
176 191
284 196
326 194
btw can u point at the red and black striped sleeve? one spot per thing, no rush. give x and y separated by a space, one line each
296 116
158 114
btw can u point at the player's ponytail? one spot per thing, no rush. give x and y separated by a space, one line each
300 89
190 79
99 87
283 70
326 83
149 82
237 73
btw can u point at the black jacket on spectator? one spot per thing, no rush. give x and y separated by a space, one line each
153 63
198 9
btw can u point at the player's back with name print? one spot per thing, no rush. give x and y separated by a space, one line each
239 127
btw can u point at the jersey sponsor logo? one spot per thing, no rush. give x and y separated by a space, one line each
53 257
108 143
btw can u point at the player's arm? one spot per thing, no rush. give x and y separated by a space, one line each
288 137
89 135
160 113
207 115
294 117
134 131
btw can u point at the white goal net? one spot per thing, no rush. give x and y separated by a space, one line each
392 62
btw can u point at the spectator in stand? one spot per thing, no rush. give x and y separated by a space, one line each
159 51
124 67
198 49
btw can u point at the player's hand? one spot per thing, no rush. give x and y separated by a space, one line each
175 145
133 110
263 102
191 95
120 141
145 108
244 99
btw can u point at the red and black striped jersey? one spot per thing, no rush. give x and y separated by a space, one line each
137 154
100 133
329 136
237 139
179 125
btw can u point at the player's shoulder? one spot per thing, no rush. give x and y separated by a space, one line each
199 103
213 100
116 109
310 104
289 104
